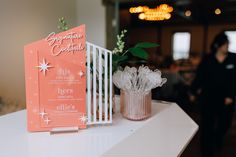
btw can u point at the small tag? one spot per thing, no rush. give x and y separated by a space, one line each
64 130
229 66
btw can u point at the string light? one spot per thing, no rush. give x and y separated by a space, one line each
217 11
161 12
188 13
142 16
138 9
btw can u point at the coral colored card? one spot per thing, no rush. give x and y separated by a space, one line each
55 76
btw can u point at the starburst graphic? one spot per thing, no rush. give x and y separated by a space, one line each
81 73
42 114
47 120
44 66
83 119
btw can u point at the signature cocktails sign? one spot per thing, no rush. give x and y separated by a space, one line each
55 75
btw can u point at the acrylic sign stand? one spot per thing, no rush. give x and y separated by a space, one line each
99 88
99 85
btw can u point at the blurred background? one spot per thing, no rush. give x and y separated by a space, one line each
183 28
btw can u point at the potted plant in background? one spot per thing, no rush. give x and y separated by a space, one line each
135 83
133 55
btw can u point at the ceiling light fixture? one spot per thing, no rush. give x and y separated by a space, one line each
161 12
217 11
138 9
188 13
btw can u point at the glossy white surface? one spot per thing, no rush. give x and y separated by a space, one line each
165 134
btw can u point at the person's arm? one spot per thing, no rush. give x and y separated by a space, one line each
231 92
199 77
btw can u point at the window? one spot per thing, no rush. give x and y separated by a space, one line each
181 45
232 40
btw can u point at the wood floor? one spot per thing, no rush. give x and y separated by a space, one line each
229 149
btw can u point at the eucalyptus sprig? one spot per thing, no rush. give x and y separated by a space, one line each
62 24
120 43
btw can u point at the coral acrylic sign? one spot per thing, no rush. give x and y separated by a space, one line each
55 75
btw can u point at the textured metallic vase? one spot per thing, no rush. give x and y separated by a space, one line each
135 105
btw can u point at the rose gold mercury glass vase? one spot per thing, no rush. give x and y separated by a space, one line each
135 105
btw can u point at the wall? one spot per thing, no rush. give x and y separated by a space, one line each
201 37
92 14
23 22
149 34
197 36
215 29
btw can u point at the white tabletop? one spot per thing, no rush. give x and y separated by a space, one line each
165 134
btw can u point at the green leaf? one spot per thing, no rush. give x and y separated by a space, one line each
62 24
117 58
138 52
146 45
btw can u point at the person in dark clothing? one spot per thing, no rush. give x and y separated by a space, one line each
215 84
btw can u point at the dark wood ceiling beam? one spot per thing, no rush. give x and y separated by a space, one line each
139 1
